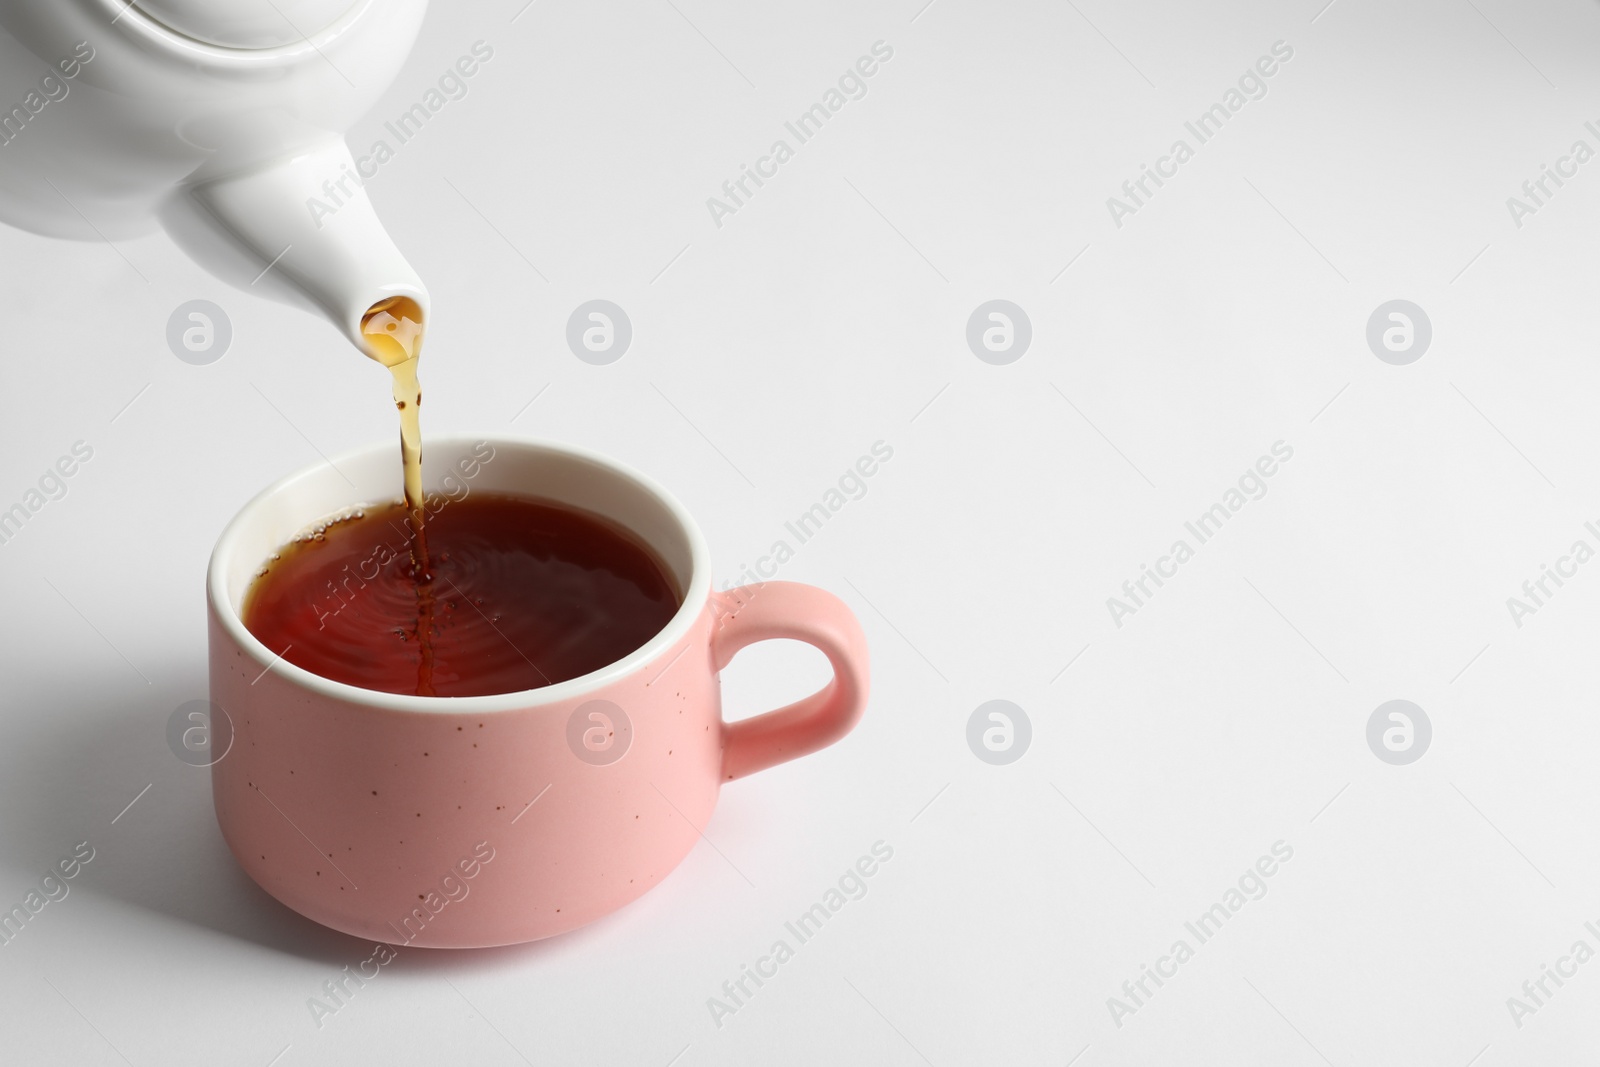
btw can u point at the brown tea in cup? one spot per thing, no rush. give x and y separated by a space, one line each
524 593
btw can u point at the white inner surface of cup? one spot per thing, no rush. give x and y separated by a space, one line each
569 476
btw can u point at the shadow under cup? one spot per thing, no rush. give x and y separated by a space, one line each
490 820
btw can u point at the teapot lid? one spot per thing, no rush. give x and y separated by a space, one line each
247 24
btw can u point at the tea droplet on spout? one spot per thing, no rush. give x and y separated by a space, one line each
392 329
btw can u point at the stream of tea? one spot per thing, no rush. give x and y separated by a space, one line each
393 332
498 594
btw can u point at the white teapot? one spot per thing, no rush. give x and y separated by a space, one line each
221 121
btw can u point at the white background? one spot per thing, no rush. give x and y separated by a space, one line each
829 313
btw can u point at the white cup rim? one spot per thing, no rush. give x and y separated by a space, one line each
694 597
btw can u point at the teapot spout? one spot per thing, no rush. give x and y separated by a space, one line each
300 229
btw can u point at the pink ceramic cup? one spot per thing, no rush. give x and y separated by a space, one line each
454 822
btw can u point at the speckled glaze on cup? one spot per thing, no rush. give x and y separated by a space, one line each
454 822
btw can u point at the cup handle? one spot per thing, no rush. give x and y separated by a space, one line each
774 610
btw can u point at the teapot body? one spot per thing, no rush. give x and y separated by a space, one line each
104 110
114 122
